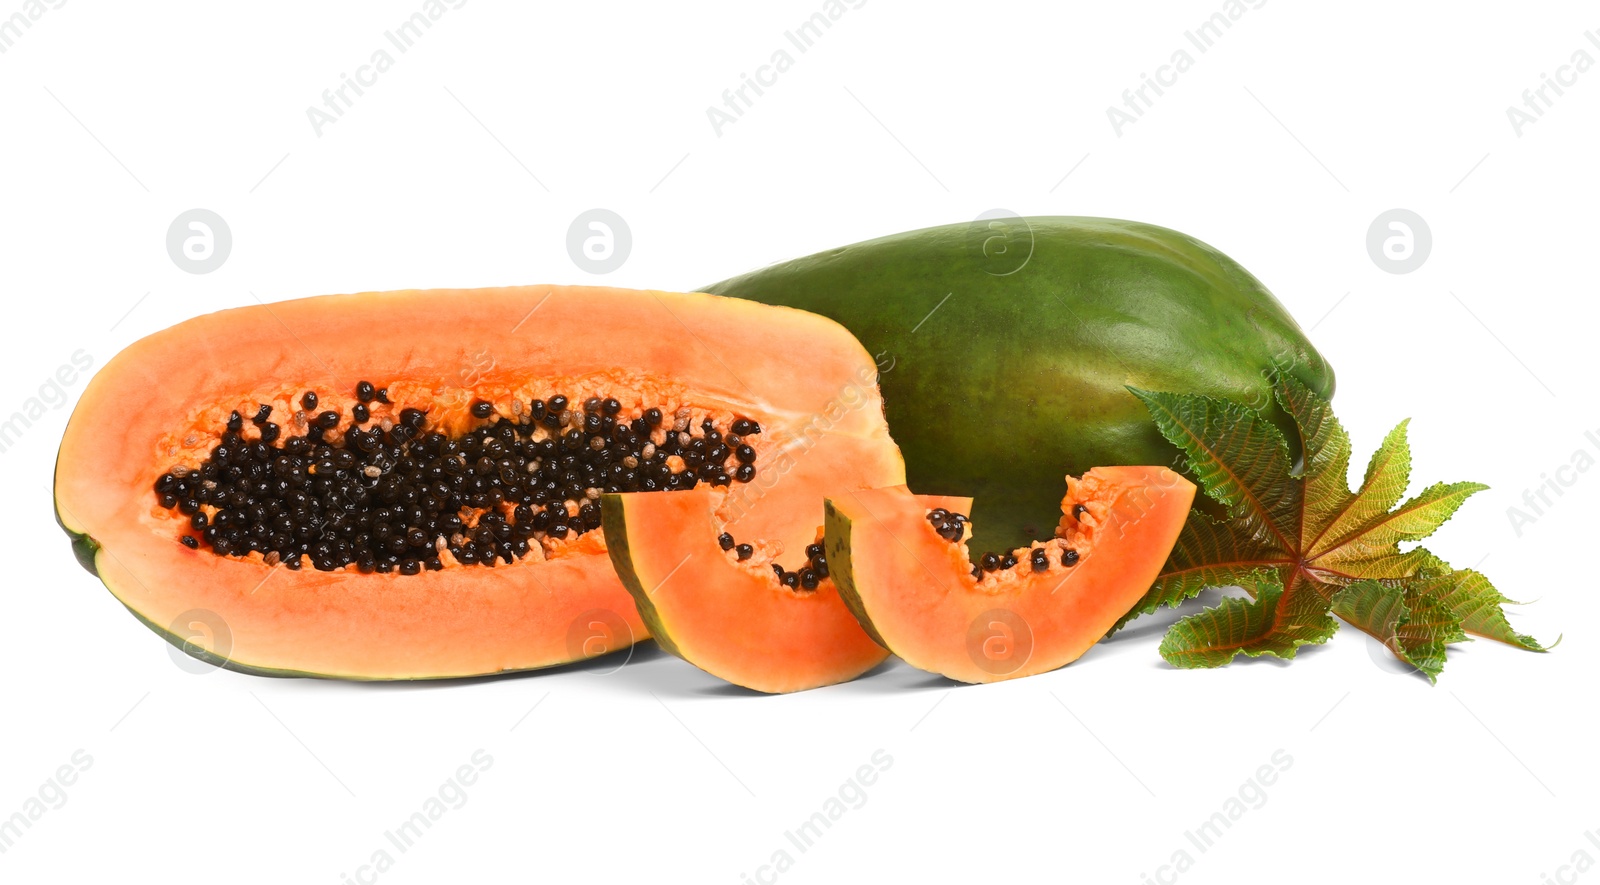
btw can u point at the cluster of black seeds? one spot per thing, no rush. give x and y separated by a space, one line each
994 562
1039 560
951 526
743 551
809 575
392 500
807 578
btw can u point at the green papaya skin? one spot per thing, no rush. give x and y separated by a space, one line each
1006 347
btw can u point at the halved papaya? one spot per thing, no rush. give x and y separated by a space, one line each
405 485
904 571
732 609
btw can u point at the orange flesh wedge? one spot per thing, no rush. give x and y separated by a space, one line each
915 591
734 619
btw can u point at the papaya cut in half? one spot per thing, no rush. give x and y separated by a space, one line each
736 618
405 485
903 569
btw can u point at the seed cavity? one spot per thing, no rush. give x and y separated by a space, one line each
949 526
808 577
397 495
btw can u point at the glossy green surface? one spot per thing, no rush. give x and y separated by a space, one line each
1007 345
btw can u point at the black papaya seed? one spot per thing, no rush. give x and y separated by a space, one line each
385 500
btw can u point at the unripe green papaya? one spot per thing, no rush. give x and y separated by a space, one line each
1006 346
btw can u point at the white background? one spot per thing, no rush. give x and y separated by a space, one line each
464 165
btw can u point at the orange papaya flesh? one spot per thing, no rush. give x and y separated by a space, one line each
1030 610
470 362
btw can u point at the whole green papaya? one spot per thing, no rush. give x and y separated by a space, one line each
1006 346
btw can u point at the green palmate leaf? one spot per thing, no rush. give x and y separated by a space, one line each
1432 624
1415 630
1333 572
1305 544
1376 608
1325 447
1412 521
1476 605
1239 458
1273 623
1388 473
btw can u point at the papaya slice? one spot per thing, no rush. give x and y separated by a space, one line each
734 617
405 485
903 569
